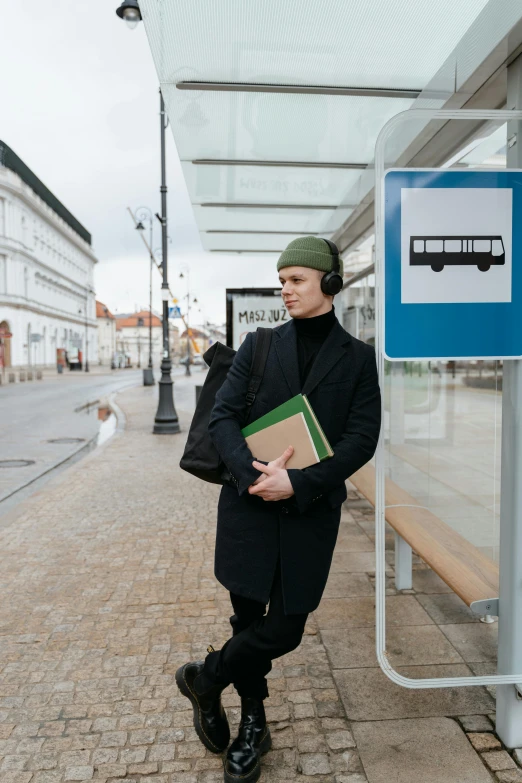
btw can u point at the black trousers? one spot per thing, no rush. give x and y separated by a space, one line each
257 638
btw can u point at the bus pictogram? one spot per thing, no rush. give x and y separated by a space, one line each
440 251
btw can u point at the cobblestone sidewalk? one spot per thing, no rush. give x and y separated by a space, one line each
107 586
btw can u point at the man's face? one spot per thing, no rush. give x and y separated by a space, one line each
302 293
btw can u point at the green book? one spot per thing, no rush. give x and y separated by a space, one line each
297 405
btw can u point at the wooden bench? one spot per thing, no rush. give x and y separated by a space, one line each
469 573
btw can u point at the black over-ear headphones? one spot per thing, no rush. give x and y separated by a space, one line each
332 282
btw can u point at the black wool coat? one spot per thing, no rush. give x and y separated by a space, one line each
343 390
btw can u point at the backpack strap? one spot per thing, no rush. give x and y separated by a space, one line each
263 341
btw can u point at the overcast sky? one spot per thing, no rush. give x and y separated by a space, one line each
79 105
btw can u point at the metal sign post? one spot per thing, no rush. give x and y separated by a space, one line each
509 705
421 318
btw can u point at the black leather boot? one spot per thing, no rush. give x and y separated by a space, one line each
210 720
243 761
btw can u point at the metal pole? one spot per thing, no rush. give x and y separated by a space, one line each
509 705
86 336
150 300
166 421
148 375
187 367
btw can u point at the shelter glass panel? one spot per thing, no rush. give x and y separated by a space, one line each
298 221
268 184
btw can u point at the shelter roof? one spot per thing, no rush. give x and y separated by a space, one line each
275 108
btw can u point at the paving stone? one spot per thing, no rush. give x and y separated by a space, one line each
14 762
367 694
447 609
498 760
427 581
476 642
340 739
74 758
133 755
79 773
482 742
431 749
347 761
167 752
357 777
476 722
314 763
352 539
187 750
113 739
409 645
509 776
150 767
353 562
283 739
105 756
360 612
340 585
517 755
310 743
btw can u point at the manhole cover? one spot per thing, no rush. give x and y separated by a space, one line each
67 440
16 463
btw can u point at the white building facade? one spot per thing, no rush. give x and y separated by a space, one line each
106 335
132 339
47 299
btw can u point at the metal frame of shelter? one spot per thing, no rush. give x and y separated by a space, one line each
509 704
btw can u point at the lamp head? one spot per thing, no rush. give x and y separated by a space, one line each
130 12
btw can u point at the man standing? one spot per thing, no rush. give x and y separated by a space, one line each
277 528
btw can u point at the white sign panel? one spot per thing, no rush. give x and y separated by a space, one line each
249 311
440 223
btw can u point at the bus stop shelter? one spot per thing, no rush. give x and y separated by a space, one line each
276 108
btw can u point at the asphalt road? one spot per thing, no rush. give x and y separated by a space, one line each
34 413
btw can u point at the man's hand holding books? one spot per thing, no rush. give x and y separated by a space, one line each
274 484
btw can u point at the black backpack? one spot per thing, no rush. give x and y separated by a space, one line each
200 456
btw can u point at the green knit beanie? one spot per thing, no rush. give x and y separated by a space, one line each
312 252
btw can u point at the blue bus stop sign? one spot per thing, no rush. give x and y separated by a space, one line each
452 264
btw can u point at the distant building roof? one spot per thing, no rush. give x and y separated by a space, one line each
10 160
102 311
131 321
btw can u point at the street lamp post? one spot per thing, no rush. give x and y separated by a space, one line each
86 333
144 214
166 420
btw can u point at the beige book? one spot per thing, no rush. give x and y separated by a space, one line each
270 443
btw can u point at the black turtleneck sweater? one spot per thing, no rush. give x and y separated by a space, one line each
311 334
